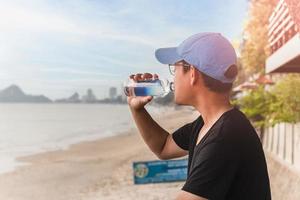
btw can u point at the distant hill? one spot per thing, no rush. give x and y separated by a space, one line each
14 94
75 98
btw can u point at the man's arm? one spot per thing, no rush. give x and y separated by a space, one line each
159 140
183 195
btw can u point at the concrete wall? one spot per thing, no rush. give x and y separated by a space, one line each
284 181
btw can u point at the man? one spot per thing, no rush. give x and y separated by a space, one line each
226 159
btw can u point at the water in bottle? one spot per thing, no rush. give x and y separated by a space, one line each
157 87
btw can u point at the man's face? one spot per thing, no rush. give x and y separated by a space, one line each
182 83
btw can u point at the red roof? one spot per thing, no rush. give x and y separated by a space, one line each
263 80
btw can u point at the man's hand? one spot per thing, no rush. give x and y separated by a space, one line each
137 103
158 139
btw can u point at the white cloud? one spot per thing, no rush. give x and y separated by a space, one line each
17 18
39 37
79 72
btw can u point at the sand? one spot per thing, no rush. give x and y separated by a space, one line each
100 169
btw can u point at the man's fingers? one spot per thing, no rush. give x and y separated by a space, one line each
147 76
141 77
147 99
138 77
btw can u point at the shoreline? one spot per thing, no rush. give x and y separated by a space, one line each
90 169
10 156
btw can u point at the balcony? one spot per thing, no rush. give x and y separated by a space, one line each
286 58
284 38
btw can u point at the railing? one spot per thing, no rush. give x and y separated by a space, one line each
283 140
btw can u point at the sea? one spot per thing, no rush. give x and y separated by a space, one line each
27 129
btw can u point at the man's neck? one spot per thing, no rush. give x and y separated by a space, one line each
211 106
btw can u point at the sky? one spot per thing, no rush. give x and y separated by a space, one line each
58 47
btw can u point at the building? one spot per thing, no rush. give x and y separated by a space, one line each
282 139
112 92
89 97
284 38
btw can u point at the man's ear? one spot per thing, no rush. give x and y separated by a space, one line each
194 75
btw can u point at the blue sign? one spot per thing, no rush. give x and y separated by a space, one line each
160 171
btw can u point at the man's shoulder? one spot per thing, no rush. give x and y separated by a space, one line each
195 124
236 121
235 127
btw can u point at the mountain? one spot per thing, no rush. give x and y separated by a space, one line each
14 94
75 98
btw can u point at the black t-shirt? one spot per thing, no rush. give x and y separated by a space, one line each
229 161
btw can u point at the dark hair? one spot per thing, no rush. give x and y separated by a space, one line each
218 86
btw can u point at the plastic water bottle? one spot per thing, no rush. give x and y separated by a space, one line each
156 87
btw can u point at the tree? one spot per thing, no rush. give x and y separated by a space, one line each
254 48
256 106
285 106
281 104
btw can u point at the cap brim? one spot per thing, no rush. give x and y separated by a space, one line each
167 55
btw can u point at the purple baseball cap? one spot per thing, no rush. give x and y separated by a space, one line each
210 53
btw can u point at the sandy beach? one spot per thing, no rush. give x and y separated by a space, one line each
100 169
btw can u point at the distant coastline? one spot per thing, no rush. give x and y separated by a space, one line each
14 94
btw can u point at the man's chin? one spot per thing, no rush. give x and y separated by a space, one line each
180 103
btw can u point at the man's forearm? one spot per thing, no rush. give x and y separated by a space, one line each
153 134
